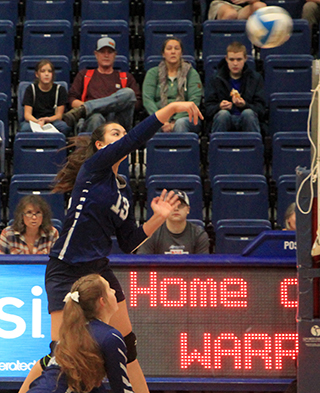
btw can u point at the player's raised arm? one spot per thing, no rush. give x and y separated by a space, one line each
166 112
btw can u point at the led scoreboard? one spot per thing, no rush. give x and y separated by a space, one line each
213 321
194 316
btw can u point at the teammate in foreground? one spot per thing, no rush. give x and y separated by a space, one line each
89 348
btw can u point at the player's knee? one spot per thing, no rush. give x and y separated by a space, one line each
131 343
46 359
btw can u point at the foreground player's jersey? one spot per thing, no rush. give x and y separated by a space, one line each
100 207
113 349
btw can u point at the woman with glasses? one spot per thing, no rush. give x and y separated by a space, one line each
31 231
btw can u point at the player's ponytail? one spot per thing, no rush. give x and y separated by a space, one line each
83 147
77 352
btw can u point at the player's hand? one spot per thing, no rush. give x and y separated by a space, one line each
190 107
164 204
225 105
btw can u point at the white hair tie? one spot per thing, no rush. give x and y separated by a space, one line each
74 296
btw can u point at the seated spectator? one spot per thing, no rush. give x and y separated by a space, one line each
290 218
177 235
103 94
31 231
44 101
172 80
233 9
311 12
234 97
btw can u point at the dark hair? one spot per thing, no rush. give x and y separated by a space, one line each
237 47
84 148
171 39
37 201
77 353
42 63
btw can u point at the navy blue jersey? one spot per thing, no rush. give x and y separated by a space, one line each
113 350
100 207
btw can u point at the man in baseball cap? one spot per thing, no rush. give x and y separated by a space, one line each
103 94
177 235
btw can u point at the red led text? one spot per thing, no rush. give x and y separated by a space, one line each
232 292
271 350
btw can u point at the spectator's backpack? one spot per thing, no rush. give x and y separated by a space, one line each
87 79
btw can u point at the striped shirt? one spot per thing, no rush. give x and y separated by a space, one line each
12 242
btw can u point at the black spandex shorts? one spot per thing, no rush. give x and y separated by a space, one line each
61 275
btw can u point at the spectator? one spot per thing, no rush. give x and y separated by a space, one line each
233 9
172 80
290 218
234 97
31 231
311 12
177 235
103 94
44 101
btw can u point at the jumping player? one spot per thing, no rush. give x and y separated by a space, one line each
89 348
101 206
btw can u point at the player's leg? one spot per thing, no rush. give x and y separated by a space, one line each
121 321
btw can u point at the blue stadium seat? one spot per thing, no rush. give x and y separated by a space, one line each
121 63
21 90
101 9
164 10
287 73
238 197
2 151
191 184
153 61
211 64
22 185
37 152
45 10
61 64
288 112
232 236
47 38
298 43
173 154
294 7
289 151
4 107
7 34
156 32
218 34
92 30
286 195
5 76
9 10
235 153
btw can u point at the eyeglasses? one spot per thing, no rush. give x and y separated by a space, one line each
30 214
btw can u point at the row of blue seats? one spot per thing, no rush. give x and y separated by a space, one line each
45 37
282 73
174 158
119 9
